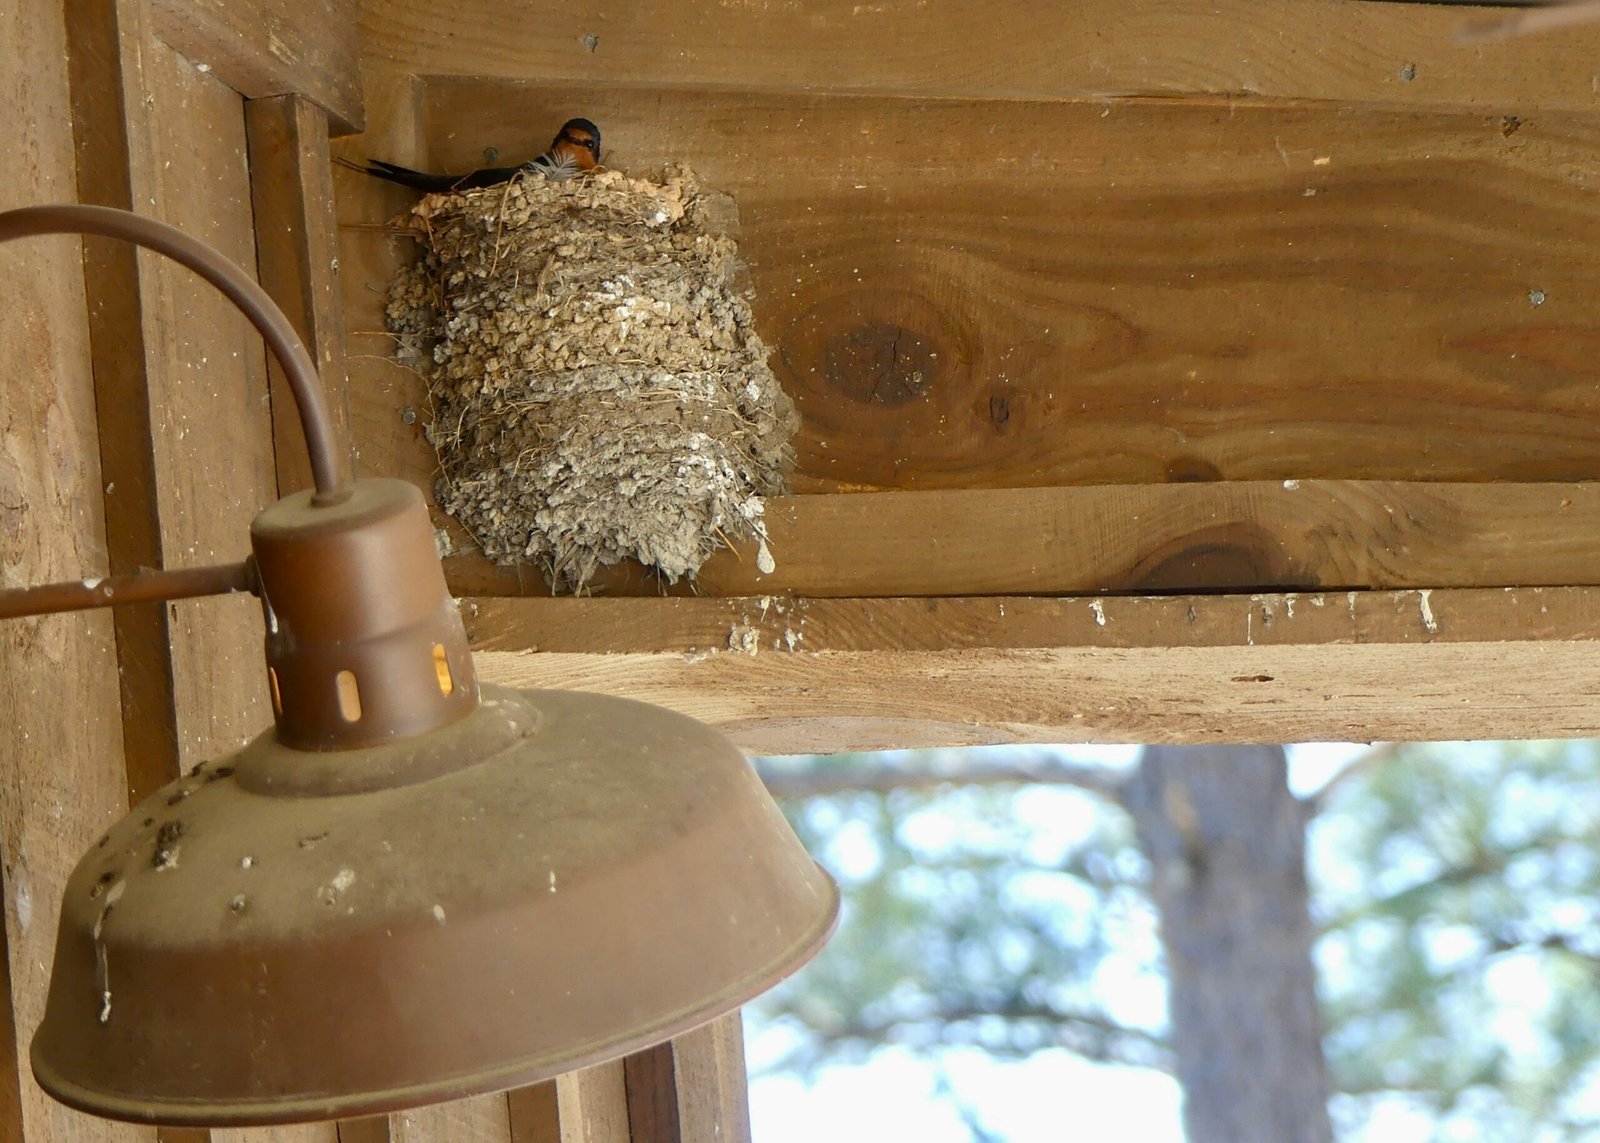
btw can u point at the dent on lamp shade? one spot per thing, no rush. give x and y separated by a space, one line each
552 881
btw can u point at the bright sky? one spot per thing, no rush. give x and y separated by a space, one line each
893 1098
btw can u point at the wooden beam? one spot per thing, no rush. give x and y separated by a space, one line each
372 1129
1404 55
535 1113
1230 536
786 676
61 778
116 168
650 1078
688 1089
594 1104
208 400
297 258
712 1085
481 1119
263 48
10 1058
1129 293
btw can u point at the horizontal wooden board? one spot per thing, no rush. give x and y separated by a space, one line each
1286 49
798 676
1139 538
972 294
262 48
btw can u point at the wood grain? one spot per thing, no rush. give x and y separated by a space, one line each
971 294
594 1104
116 165
297 258
61 779
204 388
264 48
535 1113
288 1133
482 1119
210 419
713 1100
388 403
209 402
1141 538
651 1080
10 1059
372 1129
900 673
1013 49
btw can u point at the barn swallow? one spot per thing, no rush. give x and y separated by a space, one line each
574 150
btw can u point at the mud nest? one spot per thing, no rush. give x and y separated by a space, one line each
598 389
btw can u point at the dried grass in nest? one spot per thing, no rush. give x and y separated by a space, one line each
599 392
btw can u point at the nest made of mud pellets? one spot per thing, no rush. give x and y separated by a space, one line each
598 388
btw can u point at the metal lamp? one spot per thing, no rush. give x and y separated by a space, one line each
411 888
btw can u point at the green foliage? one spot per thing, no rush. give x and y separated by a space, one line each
965 924
1456 886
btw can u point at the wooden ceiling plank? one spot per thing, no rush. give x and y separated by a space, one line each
1224 536
961 294
1405 55
799 676
755 626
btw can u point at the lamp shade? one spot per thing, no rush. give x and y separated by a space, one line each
554 880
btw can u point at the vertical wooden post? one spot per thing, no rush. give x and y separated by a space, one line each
481 1119
690 1090
61 770
592 1104
10 1076
297 257
110 129
370 1129
713 1087
535 1113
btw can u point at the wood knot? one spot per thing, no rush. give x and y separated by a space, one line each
881 363
1226 557
999 411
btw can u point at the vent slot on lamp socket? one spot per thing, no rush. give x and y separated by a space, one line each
349 696
441 668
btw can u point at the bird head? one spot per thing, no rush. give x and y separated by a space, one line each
578 142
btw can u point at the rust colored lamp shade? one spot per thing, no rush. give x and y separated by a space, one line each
409 889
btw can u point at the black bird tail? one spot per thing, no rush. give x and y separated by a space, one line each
431 183
405 176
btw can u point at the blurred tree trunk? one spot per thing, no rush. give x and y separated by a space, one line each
1226 842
